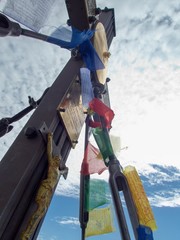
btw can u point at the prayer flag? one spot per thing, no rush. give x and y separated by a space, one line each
102 110
104 143
86 87
140 199
100 222
144 233
98 193
116 143
32 14
91 162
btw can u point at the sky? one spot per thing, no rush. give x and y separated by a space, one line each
144 69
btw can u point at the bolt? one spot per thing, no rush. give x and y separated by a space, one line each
76 54
69 22
62 109
98 11
31 132
92 19
106 9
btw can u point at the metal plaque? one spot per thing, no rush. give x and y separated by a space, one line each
71 112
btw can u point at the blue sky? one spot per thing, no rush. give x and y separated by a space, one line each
56 222
145 95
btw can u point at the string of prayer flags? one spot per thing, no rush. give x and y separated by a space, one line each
92 163
100 222
102 110
86 87
98 193
104 144
32 14
140 199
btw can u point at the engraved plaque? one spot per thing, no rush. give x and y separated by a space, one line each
71 112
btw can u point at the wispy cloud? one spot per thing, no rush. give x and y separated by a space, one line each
42 236
71 221
166 199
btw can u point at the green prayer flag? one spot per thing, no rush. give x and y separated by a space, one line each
97 194
104 143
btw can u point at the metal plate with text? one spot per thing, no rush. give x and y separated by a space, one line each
71 112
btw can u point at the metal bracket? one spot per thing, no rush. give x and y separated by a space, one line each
56 152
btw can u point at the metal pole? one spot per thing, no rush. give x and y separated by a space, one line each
84 180
114 171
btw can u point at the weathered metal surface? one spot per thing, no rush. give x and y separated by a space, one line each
78 13
71 112
24 165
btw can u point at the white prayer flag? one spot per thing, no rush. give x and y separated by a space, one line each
32 13
86 87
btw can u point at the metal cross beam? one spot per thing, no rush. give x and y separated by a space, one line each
25 164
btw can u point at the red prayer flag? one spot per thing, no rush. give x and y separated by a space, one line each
91 162
101 109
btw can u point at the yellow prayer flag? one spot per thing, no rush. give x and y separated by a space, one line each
100 222
140 199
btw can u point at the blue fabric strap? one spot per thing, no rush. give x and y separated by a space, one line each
77 37
90 56
81 40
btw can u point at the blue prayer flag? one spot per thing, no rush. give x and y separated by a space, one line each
145 233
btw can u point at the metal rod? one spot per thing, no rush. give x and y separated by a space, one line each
114 174
28 33
84 214
114 171
10 28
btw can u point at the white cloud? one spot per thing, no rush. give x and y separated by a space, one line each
162 200
72 221
42 236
